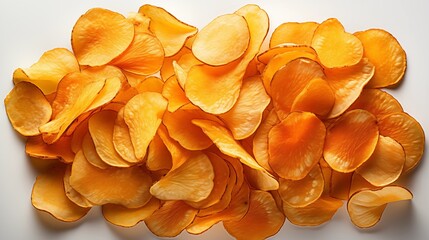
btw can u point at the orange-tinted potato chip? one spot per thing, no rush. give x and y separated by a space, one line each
293 32
217 49
262 220
171 219
174 93
78 135
122 139
295 145
260 180
150 84
49 195
340 184
72 194
359 183
158 156
406 131
61 150
385 164
100 35
366 207
88 149
179 154
351 140
260 140
52 66
314 214
301 193
167 69
171 32
387 55
335 47
110 89
140 21
27 109
124 186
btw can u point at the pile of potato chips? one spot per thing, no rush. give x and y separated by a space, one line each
157 121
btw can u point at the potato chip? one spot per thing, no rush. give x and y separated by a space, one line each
167 69
122 139
109 91
100 35
61 150
340 184
77 137
52 66
387 55
293 32
49 195
335 47
179 154
27 109
171 32
366 207
150 84
158 156
268 55
359 183
217 49
72 194
260 180
351 140
140 21
295 145
88 149
174 94
128 187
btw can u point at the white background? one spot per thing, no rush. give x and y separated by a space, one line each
29 28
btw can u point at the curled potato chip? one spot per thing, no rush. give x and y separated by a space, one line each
314 214
359 183
365 207
27 109
385 164
129 217
260 140
52 66
174 94
301 193
128 187
406 131
167 69
171 32
158 156
110 89
61 150
171 219
262 220
122 139
387 55
88 149
260 180
293 32
100 35
351 140
335 47
295 145
179 154
217 49
49 195
72 194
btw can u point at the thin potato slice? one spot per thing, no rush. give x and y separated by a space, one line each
295 145
224 140
366 207
150 84
385 164
260 180
387 55
52 66
192 181
49 195
340 184
216 49
72 194
88 149
129 217
61 150
174 94
128 187
122 139
27 108
335 47
171 32
260 140
351 140
171 219
109 91
262 220
143 114
158 156
101 35
245 116
314 214
293 32
182 67
406 131
301 193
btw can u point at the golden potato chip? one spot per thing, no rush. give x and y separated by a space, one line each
143 114
192 181
387 55
179 154
217 49
100 35
171 32
27 109
245 116
351 140
174 94
340 184
72 194
61 150
335 47
171 219
404 129
260 180
262 220
128 187
49 195
77 137
158 156
167 69
314 214
301 193
359 183
150 84
129 217
293 32
182 67
52 66
109 91
366 207
88 149
295 145
122 139
385 164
